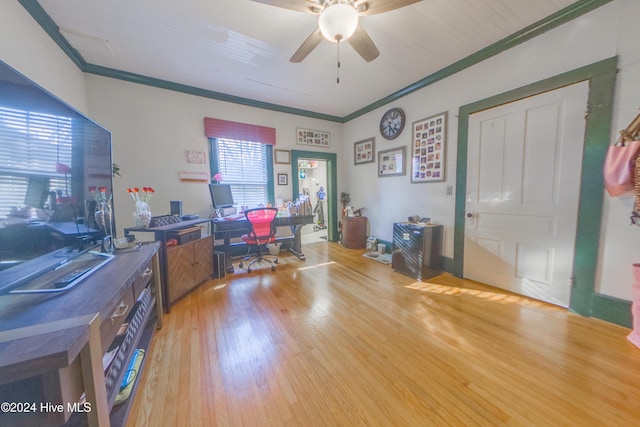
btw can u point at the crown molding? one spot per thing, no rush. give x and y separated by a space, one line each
563 16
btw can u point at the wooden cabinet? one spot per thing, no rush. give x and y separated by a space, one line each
53 347
188 265
180 273
354 232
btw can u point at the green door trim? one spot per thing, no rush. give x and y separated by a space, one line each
602 77
332 184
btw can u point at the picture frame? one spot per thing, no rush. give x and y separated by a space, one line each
364 151
391 162
428 149
283 179
282 157
196 157
315 138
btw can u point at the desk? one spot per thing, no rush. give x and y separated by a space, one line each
220 225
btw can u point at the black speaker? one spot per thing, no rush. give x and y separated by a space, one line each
219 265
176 207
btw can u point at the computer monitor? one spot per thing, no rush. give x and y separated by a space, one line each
37 192
221 196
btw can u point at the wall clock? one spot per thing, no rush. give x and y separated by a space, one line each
392 123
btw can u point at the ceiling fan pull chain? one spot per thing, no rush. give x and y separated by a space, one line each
338 70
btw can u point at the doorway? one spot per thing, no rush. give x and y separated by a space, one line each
312 183
311 170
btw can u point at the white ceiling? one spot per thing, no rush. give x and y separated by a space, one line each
242 48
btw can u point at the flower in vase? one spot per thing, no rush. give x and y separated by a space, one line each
142 215
100 194
218 177
143 195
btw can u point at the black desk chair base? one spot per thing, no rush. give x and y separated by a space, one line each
260 258
262 232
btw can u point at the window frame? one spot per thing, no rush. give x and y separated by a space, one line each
214 166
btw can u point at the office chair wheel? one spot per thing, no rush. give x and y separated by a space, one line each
275 261
240 265
273 269
249 270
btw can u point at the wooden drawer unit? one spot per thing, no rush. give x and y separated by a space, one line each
116 310
57 345
143 279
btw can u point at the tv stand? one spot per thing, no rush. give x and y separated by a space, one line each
52 346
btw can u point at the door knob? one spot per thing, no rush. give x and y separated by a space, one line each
469 214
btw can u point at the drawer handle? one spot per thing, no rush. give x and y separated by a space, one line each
147 272
120 311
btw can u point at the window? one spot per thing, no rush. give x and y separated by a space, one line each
247 167
31 141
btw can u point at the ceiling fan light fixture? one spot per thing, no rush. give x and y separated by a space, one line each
338 22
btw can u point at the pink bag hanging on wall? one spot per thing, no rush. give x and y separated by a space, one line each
619 167
634 336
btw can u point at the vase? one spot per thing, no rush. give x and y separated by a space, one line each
142 215
103 216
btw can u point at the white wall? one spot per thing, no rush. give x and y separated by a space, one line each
606 32
26 47
152 128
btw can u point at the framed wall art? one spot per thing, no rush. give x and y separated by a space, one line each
313 138
428 149
282 156
196 157
363 151
391 162
283 179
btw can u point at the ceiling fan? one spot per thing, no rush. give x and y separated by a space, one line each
338 22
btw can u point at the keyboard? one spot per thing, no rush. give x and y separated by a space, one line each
233 217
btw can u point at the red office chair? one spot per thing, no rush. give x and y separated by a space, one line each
262 232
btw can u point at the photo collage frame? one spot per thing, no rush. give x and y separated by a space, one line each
428 149
313 138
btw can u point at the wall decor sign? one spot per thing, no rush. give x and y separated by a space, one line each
313 138
196 157
283 179
391 162
363 151
428 149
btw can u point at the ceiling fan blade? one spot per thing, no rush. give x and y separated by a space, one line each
372 7
363 44
307 46
308 6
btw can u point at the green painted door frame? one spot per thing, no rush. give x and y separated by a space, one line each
602 77
332 184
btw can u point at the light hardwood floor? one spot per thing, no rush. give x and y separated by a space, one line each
340 340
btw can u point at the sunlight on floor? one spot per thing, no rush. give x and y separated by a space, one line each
317 265
490 296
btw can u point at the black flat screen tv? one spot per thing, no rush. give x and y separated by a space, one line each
51 157
221 196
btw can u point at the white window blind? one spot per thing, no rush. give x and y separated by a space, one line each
31 144
245 166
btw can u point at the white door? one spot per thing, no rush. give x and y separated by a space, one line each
523 180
